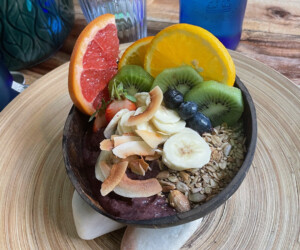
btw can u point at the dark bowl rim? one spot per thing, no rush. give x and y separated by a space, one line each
196 213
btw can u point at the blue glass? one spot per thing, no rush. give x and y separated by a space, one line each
5 81
9 88
223 18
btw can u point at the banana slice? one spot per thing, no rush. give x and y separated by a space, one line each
122 128
142 99
146 126
111 127
189 130
151 138
185 150
166 115
104 156
169 128
140 110
119 129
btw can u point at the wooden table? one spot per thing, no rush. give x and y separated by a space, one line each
271 34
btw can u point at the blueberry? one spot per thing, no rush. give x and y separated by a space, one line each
199 123
187 110
173 98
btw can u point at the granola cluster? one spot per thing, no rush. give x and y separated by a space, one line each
200 185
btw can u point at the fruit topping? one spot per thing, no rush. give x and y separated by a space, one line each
219 102
156 97
153 139
199 123
168 128
173 98
187 110
142 99
93 63
134 79
186 150
111 127
181 78
116 105
122 128
166 115
148 126
135 53
185 44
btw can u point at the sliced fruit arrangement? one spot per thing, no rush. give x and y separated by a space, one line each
156 97
187 111
120 99
183 148
200 123
112 125
182 78
185 44
93 63
135 54
116 105
219 102
186 150
168 93
134 79
173 98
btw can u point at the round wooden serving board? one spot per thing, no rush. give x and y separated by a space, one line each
35 192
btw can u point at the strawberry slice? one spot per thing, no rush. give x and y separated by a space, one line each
116 105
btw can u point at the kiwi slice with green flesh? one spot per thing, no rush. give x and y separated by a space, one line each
219 102
181 78
134 79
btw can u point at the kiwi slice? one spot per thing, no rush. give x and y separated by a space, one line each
134 78
219 102
181 78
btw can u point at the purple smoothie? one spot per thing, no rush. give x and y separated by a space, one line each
118 206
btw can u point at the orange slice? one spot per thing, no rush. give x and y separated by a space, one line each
135 53
93 63
185 44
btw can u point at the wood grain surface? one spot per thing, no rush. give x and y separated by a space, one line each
35 192
271 34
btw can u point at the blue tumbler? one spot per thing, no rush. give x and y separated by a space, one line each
223 18
11 84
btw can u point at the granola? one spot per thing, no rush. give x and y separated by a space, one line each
200 185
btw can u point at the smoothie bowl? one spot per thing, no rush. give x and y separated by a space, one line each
159 145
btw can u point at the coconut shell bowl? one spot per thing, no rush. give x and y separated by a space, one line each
75 128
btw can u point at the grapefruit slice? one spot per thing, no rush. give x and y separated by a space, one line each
93 63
